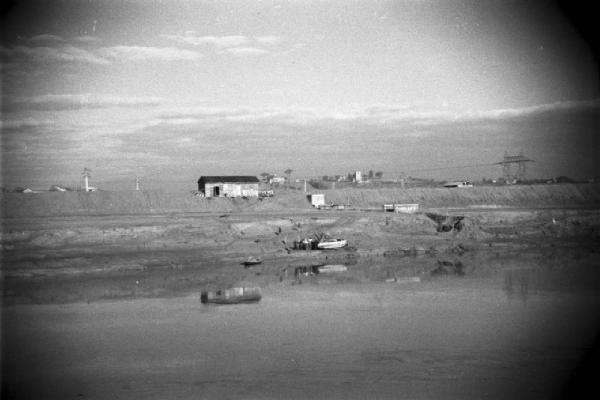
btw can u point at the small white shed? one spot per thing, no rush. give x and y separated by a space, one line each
317 200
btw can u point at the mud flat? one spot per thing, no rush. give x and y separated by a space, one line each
88 258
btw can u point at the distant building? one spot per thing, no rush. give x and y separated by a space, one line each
357 177
317 200
402 208
228 186
277 180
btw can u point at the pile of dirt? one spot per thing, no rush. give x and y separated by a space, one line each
15 205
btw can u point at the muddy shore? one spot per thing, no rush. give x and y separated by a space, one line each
91 258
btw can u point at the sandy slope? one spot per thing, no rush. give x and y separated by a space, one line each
89 258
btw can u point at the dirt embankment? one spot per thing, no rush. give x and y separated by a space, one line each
62 204
76 260
566 195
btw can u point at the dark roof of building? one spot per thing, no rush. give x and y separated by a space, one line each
229 179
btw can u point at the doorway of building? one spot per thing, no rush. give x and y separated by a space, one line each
216 191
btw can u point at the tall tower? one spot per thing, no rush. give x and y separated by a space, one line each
86 176
514 168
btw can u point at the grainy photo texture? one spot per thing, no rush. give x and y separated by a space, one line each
369 199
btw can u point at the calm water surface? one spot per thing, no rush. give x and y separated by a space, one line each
499 326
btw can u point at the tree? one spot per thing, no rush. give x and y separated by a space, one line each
378 174
370 174
265 176
288 172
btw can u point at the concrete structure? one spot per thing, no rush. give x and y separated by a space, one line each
228 186
279 180
406 208
357 177
402 208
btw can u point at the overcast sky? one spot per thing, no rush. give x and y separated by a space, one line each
171 90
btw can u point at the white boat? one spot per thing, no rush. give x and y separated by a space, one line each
332 268
252 261
332 243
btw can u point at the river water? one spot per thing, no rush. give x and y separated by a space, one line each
501 326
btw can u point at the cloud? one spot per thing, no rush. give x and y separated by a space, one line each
191 38
47 38
233 44
378 116
388 137
537 109
244 51
17 124
57 102
270 39
141 53
45 54
55 50
87 39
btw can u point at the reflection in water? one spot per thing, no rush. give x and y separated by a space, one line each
449 268
516 283
448 336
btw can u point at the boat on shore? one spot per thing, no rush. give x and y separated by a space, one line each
231 296
252 261
332 244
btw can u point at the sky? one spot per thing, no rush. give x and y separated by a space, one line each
168 91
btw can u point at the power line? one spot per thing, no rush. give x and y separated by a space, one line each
449 167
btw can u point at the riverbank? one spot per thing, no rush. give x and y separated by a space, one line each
87 259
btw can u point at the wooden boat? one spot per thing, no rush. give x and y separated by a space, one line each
332 268
332 243
231 296
252 261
